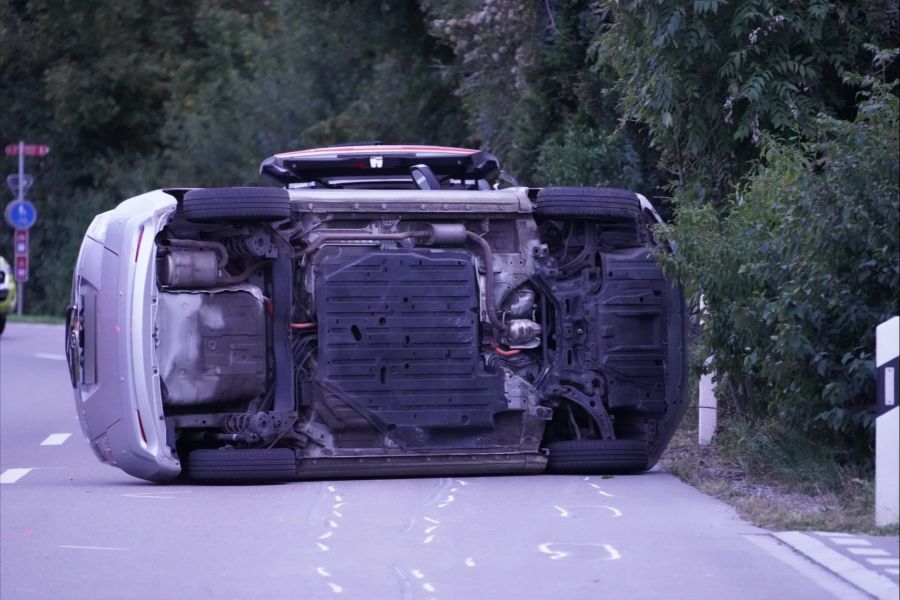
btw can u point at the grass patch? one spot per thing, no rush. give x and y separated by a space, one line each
775 478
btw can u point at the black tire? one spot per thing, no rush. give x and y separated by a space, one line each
2 323
237 204
598 457
603 204
231 465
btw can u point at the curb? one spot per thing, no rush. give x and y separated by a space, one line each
858 575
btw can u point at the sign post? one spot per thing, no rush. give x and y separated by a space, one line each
20 213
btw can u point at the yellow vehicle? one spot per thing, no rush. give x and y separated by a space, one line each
7 291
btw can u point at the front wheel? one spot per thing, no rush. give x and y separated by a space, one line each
2 322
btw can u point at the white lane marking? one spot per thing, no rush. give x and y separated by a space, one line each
326 535
321 571
613 553
587 478
430 520
332 524
335 587
615 511
868 552
442 505
892 571
851 542
13 475
338 498
470 562
49 356
322 547
428 540
885 562
562 512
162 495
91 547
461 482
432 528
428 587
418 574
338 505
336 513
449 498
330 488
56 439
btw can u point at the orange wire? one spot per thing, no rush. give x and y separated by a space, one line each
502 352
303 325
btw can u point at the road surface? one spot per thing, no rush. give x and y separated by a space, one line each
73 528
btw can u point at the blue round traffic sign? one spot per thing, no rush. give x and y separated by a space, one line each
20 214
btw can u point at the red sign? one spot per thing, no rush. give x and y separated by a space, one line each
28 150
21 242
22 268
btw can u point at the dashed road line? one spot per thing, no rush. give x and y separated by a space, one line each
884 562
56 439
851 542
868 552
470 562
13 475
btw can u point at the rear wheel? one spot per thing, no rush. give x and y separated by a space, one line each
598 456
232 465
2 322
237 204
604 204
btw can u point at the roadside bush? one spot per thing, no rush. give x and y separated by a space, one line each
797 272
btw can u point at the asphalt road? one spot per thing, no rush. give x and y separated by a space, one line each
73 528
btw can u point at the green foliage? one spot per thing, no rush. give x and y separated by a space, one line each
710 78
133 96
799 271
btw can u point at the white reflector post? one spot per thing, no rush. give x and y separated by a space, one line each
887 425
707 408
707 404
